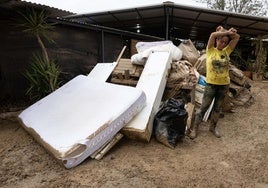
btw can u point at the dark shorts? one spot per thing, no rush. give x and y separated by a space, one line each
212 91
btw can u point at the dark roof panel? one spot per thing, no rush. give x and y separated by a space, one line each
176 18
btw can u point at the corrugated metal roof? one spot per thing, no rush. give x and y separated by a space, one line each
169 20
13 4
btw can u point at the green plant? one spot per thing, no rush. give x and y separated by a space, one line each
43 77
44 73
35 22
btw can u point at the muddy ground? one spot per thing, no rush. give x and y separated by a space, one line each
238 159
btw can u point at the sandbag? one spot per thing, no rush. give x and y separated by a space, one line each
237 76
200 64
189 51
179 70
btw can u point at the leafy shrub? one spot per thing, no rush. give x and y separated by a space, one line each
43 77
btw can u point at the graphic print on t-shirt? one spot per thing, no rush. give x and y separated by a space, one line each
220 65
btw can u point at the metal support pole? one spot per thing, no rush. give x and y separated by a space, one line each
167 23
102 46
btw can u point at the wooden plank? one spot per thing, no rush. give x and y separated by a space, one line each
120 76
127 74
105 148
129 82
125 64
121 53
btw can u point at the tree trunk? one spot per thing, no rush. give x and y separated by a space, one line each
260 60
44 50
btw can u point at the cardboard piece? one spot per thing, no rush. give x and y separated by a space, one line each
199 92
189 107
152 81
80 117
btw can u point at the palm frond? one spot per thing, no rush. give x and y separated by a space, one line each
33 21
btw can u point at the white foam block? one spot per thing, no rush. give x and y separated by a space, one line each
152 81
78 118
102 71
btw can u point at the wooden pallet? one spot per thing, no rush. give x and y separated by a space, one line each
126 73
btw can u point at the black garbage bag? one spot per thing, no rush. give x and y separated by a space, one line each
170 122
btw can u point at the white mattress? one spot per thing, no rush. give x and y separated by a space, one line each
78 118
152 81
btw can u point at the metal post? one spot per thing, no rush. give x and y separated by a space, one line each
102 46
167 23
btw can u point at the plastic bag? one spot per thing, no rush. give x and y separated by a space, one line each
170 122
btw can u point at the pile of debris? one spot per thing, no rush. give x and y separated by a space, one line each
89 114
182 80
183 76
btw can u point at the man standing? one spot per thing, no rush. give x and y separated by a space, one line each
217 76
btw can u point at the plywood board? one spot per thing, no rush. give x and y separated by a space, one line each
80 117
152 81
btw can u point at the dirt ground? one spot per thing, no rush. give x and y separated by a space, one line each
238 159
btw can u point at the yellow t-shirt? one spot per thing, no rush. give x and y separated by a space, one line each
217 65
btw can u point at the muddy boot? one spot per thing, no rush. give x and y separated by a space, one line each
213 129
192 132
